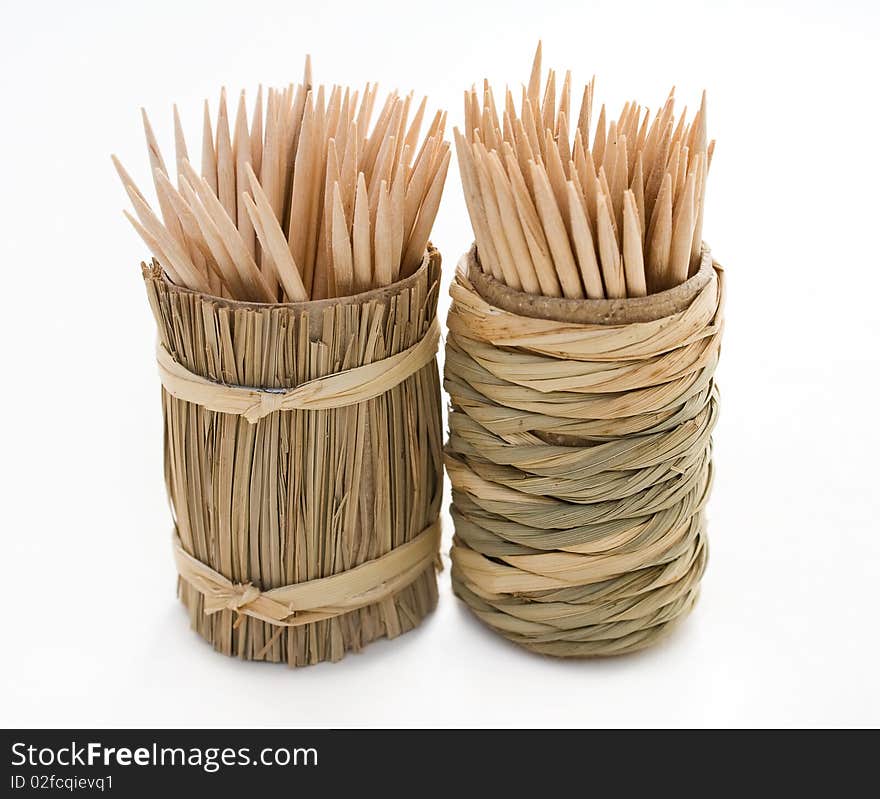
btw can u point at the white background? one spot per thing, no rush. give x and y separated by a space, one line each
786 631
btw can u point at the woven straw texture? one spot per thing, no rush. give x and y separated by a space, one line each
580 459
276 502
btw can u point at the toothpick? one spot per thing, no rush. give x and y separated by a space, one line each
242 149
175 259
127 181
225 162
383 245
532 230
609 252
555 171
682 233
311 276
534 90
514 235
155 248
198 248
180 151
633 258
658 169
272 238
557 237
156 162
548 106
604 189
342 259
659 239
418 239
412 134
524 152
598 148
209 155
583 242
398 210
564 111
586 113
362 257
496 227
621 181
536 141
255 285
562 142
324 265
302 196
416 188
257 132
488 256
699 201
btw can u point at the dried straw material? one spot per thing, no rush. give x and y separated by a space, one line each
580 458
306 524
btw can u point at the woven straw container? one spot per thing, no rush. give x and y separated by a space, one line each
303 461
580 458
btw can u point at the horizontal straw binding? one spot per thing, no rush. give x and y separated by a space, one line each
348 387
315 600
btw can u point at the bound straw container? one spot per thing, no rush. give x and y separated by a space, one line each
580 458
303 464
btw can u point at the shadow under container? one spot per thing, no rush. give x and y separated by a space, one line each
579 453
303 462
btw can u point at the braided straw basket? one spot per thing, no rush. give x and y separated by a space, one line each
303 461
580 459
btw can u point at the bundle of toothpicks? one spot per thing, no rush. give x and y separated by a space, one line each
584 332
306 201
295 291
562 209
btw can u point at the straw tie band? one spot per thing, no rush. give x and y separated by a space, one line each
314 600
349 387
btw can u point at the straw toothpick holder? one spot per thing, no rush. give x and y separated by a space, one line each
580 459
303 462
